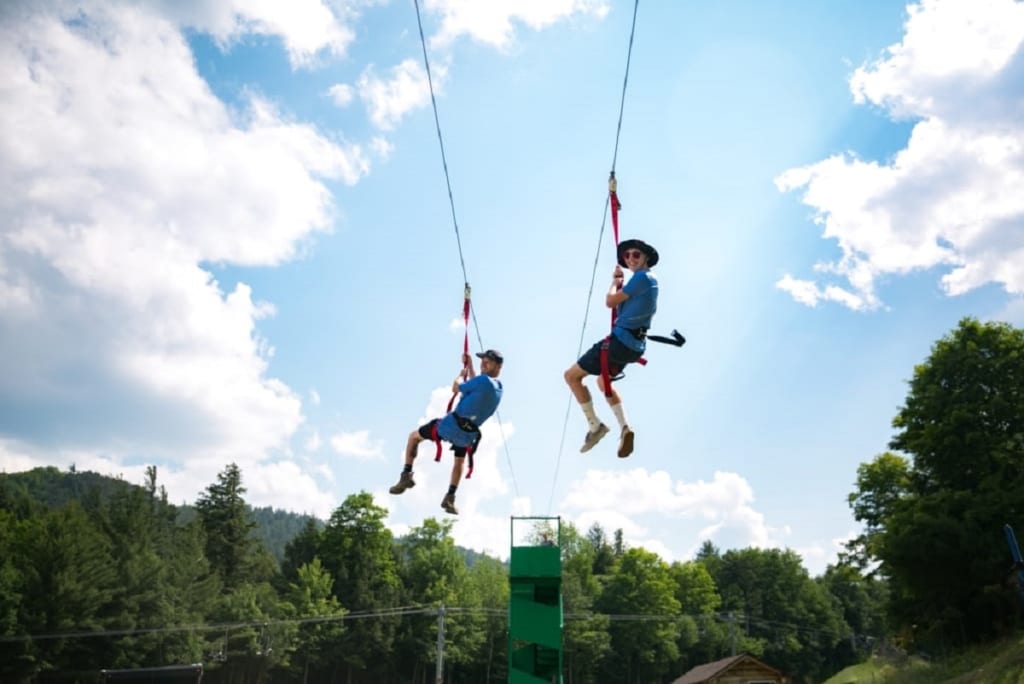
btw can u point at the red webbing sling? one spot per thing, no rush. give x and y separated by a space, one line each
465 374
615 206
613 201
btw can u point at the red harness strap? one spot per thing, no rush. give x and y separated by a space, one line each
437 440
465 372
606 375
613 201
437 456
465 349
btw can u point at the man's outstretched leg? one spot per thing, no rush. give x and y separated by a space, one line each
626 434
448 502
405 480
595 428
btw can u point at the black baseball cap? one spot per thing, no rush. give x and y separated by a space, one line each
492 354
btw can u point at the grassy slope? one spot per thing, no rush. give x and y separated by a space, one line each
998 663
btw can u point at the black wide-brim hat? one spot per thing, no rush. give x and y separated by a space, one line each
652 254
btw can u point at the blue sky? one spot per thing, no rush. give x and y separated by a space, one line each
227 237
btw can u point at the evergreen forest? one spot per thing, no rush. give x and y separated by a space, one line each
100 573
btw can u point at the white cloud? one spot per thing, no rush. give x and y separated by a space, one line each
306 27
921 77
313 442
285 481
118 339
406 88
492 22
952 197
357 445
1012 313
658 547
726 503
341 94
314 397
281 484
326 471
381 147
15 458
817 557
810 293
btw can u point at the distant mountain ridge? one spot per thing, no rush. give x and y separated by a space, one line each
47 486
53 488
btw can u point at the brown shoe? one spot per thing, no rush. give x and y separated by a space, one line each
404 482
626 442
448 504
593 437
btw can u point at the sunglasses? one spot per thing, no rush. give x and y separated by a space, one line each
632 254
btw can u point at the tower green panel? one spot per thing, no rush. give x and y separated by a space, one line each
535 610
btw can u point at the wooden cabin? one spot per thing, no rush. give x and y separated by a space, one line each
741 669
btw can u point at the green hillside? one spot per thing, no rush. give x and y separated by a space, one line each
53 488
1001 662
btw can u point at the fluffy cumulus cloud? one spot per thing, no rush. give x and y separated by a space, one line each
493 23
357 445
124 179
405 88
720 510
306 27
951 199
341 94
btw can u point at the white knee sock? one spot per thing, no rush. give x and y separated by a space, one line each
620 414
588 411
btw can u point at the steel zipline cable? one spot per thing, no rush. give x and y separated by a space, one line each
455 224
597 254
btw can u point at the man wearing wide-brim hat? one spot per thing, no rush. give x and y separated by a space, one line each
635 304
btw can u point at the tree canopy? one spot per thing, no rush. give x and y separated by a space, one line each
934 517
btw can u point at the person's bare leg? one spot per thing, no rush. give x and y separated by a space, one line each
626 432
595 428
448 502
613 398
405 480
574 378
411 446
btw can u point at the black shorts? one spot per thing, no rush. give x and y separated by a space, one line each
427 432
619 356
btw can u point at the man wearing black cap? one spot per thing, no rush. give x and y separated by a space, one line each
635 304
481 395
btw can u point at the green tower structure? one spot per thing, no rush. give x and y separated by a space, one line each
535 604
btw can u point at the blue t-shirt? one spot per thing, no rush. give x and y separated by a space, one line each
480 398
638 310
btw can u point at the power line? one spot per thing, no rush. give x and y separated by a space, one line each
222 626
455 224
600 239
403 611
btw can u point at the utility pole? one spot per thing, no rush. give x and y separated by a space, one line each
439 676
